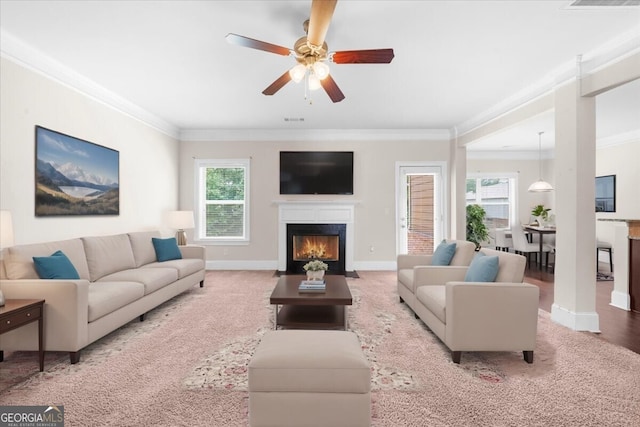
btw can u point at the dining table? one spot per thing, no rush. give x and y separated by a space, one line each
541 231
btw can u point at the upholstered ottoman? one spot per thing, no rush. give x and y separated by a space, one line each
309 378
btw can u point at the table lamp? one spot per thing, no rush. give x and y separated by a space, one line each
180 220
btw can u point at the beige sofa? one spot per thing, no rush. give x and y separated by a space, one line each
473 316
120 280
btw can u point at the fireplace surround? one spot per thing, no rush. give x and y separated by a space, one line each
313 213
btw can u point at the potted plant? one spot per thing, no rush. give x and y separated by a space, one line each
315 269
476 229
541 214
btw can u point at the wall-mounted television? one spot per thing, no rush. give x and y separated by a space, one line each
606 193
316 172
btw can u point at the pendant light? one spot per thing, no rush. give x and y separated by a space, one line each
540 185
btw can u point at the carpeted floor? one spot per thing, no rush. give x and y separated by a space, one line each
186 366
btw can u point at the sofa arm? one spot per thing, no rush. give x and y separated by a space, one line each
496 316
66 312
410 261
193 251
437 274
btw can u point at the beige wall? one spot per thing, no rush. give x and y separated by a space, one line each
621 161
148 158
374 193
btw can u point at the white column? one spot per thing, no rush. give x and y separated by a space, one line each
575 271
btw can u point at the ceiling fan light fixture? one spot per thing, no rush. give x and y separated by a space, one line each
314 82
321 70
297 73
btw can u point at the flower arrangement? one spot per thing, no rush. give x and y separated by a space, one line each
315 265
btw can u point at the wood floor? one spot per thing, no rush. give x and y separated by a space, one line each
617 326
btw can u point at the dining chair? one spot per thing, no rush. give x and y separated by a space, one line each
504 242
522 246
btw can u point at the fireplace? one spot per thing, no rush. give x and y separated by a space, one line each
326 213
324 242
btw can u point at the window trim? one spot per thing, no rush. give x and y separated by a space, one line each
513 191
200 203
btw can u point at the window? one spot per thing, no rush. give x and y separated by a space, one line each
222 199
496 194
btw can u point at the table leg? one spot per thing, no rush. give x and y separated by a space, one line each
275 316
346 321
540 251
40 347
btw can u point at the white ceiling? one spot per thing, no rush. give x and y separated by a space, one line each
457 63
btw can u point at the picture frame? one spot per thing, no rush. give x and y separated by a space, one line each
74 176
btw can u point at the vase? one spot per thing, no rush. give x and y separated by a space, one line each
315 275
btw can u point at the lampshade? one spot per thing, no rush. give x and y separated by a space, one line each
321 70
6 229
540 185
180 220
314 82
297 73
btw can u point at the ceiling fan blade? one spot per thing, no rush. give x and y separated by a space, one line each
257 44
332 89
278 84
372 56
321 13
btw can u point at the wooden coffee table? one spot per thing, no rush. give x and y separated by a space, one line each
327 310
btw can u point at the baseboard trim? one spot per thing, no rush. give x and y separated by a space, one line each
584 321
620 300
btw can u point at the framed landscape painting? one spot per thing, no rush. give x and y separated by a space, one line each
75 177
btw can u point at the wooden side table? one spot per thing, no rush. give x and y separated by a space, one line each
19 312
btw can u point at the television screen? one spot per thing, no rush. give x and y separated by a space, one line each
606 193
316 172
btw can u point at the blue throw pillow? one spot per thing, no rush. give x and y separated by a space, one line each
483 268
56 266
444 253
166 249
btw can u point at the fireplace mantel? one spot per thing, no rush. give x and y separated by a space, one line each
315 212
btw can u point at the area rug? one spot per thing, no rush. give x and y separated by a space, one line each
186 365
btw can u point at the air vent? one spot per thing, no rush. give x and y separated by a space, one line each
604 3
294 119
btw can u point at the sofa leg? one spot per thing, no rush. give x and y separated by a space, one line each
401 300
142 317
455 356
528 356
1 355
416 315
202 283
74 357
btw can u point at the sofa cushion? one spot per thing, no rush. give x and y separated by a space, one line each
152 278
143 250
434 299
108 254
107 297
483 268
166 249
185 266
56 266
18 260
443 253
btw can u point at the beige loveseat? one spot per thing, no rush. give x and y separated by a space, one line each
473 316
120 280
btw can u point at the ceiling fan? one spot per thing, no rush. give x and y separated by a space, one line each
312 54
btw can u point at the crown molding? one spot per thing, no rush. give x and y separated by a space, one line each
619 139
602 56
212 135
17 51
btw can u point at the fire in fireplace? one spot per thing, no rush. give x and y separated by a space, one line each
324 248
325 242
